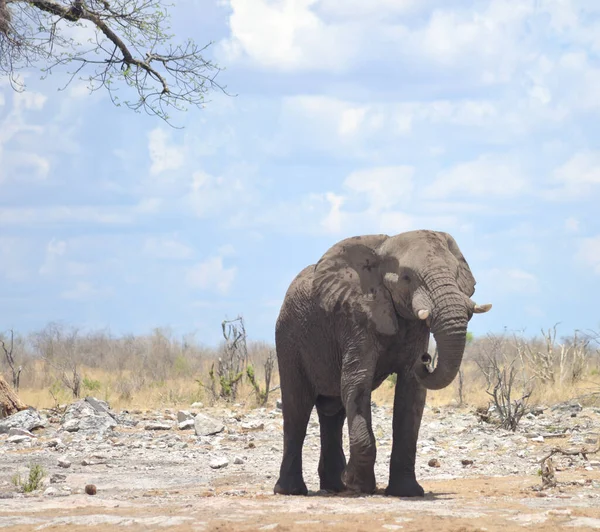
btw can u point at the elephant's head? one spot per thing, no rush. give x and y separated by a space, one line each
418 275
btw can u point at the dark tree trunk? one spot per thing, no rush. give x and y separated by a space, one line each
9 401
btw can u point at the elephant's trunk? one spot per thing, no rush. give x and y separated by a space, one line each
449 327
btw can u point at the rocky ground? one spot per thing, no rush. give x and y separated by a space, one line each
214 469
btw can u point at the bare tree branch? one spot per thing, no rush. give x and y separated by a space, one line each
127 43
10 358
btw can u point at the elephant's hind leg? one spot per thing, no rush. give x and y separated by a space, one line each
332 462
298 403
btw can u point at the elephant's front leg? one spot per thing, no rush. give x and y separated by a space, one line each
409 403
359 474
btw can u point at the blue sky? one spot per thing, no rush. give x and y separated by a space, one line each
479 118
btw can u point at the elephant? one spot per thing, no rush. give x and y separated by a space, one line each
365 310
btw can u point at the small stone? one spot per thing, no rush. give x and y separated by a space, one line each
219 463
434 462
197 405
184 415
64 463
157 426
57 478
279 404
55 442
538 439
251 445
559 513
466 462
207 426
90 489
252 426
15 431
18 438
71 425
57 492
238 460
186 425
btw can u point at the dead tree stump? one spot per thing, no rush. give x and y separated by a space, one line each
9 401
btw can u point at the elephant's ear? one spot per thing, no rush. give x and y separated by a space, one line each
465 279
348 279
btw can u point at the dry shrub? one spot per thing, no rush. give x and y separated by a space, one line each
159 368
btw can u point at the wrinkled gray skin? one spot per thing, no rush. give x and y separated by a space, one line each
363 312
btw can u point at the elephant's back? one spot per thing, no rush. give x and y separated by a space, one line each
297 301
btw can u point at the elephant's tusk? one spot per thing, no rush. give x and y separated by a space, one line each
480 309
427 362
423 314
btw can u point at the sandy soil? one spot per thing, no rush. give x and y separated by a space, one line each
492 504
163 480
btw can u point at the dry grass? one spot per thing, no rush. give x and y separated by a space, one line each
159 370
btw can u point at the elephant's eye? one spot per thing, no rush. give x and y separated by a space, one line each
406 278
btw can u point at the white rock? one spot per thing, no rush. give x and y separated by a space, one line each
18 438
219 462
64 463
207 426
186 425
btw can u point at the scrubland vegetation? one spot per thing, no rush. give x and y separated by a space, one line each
60 362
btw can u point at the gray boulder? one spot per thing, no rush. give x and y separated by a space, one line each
89 416
29 420
207 426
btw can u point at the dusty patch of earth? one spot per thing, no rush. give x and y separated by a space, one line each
167 478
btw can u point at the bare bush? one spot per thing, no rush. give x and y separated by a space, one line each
553 362
10 359
504 375
57 346
262 395
231 364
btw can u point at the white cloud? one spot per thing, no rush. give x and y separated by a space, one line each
379 9
21 162
572 225
211 195
384 187
78 214
83 290
29 100
163 156
487 175
212 275
331 35
511 280
577 176
15 254
333 222
167 247
589 253
55 249
286 35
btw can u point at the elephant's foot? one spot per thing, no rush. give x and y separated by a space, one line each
363 482
406 486
331 469
290 486
332 485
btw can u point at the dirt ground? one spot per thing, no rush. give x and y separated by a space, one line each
149 479
490 504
